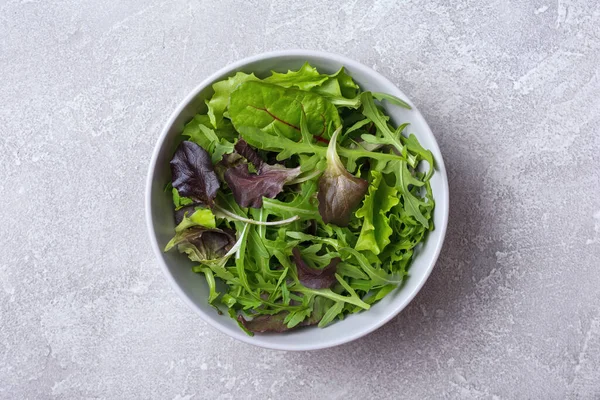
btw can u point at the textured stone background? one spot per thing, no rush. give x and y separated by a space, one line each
511 90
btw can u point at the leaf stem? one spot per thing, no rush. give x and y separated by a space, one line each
253 221
306 177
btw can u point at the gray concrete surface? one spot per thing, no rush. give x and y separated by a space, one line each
512 92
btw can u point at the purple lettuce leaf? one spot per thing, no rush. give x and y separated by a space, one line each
340 192
193 173
275 322
315 278
249 188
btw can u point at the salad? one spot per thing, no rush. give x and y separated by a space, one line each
298 199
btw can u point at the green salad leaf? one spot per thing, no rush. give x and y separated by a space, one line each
298 198
219 102
376 230
200 217
275 109
306 78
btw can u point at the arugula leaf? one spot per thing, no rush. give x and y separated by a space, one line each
358 125
413 145
221 148
199 131
377 275
376 230
328 293
370 111
275 142
317 256
302 205
412 204
212 284
331 313
351 271
284 321
316 239
392 99
216 141
286 148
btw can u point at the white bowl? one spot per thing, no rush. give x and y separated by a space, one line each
192 287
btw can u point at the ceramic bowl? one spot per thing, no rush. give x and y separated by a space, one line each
192 287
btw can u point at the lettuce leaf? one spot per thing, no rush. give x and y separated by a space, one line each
275 109
220 100
306 78
193 173
337 85
202 244
312 277
339 192
249 189
376 230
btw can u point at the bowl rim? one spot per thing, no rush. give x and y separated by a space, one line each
228 69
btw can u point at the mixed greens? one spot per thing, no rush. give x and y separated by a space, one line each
298 199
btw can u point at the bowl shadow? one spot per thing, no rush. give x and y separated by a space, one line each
428 318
